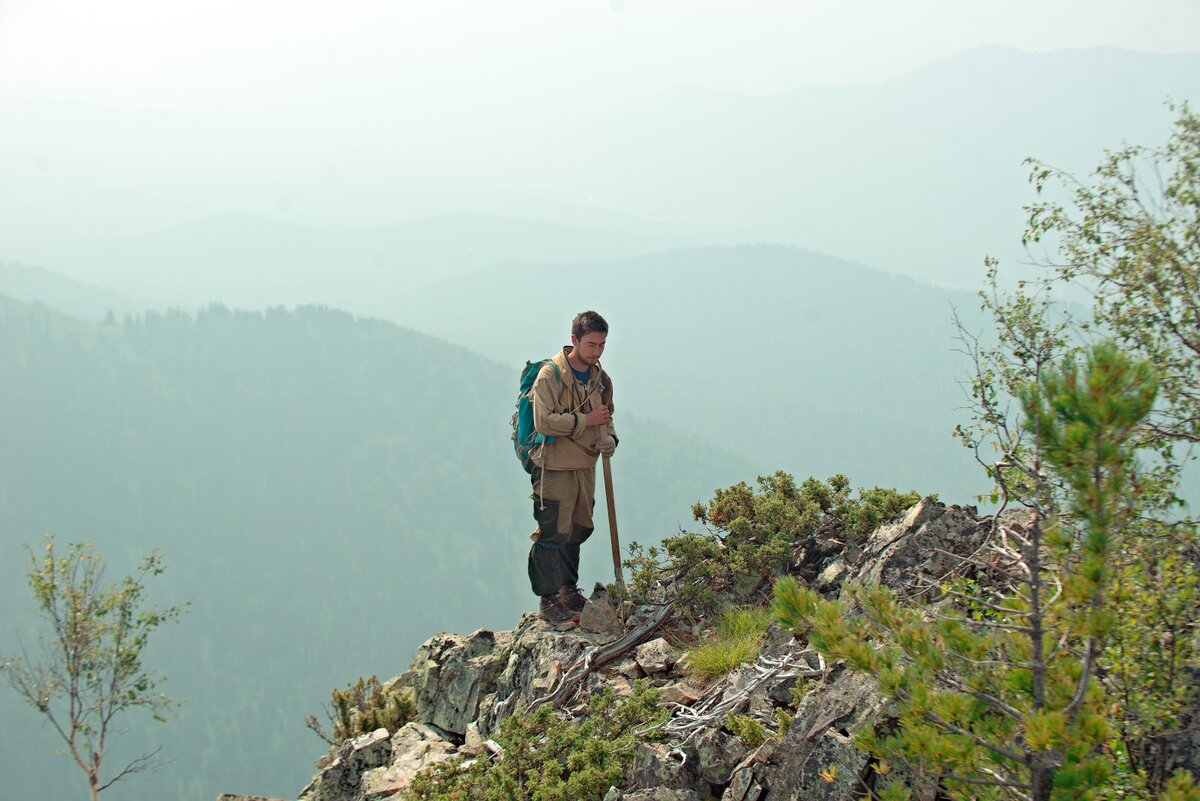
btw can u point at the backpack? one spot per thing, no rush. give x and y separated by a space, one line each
525 437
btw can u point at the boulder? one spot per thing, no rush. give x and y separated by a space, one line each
600 616
524 663
451 674
832 575
656 656
653 768
921 548
413 748
717 754
683 693
819 738
340 779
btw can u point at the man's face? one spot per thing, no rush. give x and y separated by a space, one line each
589 347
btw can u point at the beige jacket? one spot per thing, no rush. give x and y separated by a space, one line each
560 410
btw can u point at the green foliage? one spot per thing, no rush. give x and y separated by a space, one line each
1149 662
755 534
1011 698
364 706
749 730
1131 238
1181 787
1128 238
735 640
91 672
547 757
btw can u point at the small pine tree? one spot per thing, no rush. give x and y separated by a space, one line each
1002 699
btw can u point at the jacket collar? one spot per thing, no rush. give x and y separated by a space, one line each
564 366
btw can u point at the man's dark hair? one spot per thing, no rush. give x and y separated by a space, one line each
588 322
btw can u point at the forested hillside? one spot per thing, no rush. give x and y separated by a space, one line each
326 491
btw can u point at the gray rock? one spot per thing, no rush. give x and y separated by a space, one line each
922 548
413 748
341 779
718 753
853 553
620 685
819 737
781 691
830 546
832 576
658 794
681 692
526 660
743 787
652 768
629 669
235 797
473 742
600 616
452 674
656 656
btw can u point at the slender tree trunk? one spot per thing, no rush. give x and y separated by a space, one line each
1042 781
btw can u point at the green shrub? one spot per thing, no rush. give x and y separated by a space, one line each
756 533
364 706
547 757
749 730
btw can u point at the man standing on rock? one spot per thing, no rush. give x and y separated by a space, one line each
572 402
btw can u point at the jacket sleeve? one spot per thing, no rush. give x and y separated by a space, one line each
548 421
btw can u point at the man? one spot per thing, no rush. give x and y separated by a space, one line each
572 402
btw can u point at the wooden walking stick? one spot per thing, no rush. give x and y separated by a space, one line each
606 398
612 518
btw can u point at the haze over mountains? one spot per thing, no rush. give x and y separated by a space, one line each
779 272
920 175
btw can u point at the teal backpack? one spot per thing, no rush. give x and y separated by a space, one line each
525 437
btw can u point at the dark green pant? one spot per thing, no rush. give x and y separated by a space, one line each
562 506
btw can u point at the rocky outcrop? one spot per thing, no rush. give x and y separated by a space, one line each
464 686
920 549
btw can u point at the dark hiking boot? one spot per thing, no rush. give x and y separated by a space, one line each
572 599
553 612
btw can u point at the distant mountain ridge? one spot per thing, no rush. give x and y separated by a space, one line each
921 174
24 282
253 260
790 358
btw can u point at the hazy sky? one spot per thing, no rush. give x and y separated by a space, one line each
127 117
239 54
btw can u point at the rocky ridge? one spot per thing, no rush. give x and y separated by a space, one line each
465 685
